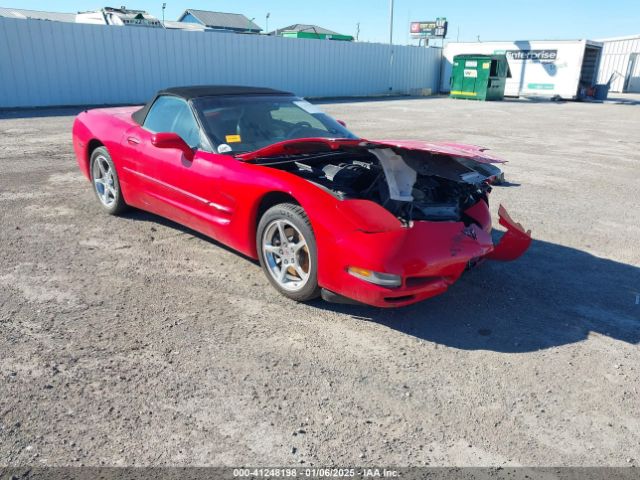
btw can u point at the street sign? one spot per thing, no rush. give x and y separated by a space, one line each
430 29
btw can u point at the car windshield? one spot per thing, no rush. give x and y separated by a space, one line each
237 124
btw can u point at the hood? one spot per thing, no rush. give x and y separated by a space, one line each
316 145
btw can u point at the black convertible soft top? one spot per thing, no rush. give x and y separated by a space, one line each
196 91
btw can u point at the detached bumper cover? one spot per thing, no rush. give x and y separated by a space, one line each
513 243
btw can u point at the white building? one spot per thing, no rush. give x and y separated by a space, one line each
119 17
620 62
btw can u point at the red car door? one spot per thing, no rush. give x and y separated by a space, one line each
134 185
175 186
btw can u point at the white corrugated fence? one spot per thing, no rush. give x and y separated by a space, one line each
46 63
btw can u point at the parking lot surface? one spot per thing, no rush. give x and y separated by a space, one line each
134 341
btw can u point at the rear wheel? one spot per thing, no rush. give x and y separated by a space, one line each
105 182
288 253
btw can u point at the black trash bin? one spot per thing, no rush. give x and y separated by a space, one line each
601 91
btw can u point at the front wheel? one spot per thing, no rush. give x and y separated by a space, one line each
288 253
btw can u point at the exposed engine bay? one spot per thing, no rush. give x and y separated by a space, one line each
411 184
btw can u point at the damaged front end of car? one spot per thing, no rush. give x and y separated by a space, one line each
419 212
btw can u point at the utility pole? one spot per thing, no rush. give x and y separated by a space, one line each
266 21
390 44
390 22
357 31
164 5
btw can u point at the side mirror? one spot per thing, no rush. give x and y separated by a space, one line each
172 140
341 122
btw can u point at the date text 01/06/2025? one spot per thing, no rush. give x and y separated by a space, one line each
315 472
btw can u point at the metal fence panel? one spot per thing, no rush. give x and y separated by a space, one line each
45 63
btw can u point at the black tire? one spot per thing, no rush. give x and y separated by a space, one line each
295 215
114 204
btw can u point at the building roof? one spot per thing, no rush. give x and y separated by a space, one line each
221 20
301 27
195 27
197 91
37 15
128 13
619 39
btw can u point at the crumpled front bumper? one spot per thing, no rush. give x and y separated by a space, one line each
430 256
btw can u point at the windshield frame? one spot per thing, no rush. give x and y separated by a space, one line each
328 122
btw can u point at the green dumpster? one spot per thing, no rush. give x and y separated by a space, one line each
479 77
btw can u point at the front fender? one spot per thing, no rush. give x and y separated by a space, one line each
367 216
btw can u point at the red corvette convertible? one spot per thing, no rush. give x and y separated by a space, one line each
385 223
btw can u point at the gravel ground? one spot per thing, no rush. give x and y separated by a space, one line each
134 341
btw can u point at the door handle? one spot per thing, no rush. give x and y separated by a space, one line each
133 140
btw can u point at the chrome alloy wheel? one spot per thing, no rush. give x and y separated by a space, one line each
286 254
103 181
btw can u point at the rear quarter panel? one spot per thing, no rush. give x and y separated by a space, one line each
106 126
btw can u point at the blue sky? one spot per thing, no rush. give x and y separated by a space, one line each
494 20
